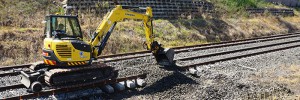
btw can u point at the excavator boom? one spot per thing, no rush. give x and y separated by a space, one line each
163 56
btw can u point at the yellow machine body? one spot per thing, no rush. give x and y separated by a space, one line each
63 45
64 53
68 59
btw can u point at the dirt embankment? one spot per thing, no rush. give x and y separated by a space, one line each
20 47
23 45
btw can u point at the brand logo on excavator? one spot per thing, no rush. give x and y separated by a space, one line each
129 14
81 54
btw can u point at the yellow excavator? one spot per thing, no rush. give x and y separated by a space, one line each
70 61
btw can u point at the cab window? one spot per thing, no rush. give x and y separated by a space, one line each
66 27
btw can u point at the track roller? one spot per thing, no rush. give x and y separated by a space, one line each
108 89
119 87
36 86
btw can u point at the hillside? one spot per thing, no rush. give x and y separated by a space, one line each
22 31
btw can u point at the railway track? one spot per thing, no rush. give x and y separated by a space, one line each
193 68
189 67
125 56
111 58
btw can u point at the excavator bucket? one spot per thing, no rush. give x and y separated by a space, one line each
165 57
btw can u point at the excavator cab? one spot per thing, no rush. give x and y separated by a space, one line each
63 43
63 27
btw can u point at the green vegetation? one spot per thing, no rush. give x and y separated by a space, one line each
238 7
19 13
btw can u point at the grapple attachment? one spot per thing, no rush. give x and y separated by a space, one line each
163 56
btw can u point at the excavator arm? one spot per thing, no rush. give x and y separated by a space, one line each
118 14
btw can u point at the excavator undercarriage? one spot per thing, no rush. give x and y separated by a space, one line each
66 77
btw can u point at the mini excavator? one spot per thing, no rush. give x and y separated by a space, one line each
70 61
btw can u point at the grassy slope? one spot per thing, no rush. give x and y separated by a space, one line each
21 41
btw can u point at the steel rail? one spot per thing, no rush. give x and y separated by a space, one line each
224 42
186 67
63 90
201 45
11 73
237 43
188 58
234 51
11 87
15 66
108 58
209 46
183 67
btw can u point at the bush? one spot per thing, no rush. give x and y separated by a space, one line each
18 13
238 7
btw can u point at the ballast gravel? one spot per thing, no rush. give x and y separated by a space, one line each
10 80
234 79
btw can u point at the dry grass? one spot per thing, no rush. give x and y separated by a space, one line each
259 26
23 45
20 45
21 31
